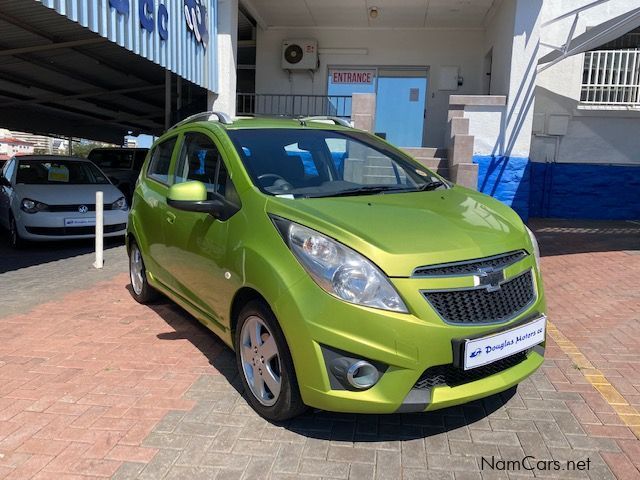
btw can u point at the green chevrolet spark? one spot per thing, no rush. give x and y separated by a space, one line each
344 274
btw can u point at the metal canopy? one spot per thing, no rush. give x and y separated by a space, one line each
57 77
592 38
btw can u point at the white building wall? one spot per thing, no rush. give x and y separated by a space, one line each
415 48
512 34
227 44
591 136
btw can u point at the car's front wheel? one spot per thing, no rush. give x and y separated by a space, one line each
141 291
265 364
15 241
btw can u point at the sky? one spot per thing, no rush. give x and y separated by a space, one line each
144 141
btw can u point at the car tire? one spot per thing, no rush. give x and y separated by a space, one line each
141 291
15 240
251 351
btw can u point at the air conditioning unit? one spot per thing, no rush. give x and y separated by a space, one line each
300 55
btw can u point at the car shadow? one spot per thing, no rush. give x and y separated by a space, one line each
343 427
38 253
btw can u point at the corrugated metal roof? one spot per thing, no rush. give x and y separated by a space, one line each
91 88
181 53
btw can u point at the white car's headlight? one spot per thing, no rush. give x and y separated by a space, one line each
120 204
33 206
339 270
536 247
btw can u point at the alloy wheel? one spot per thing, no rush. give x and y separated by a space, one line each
136 270
260 360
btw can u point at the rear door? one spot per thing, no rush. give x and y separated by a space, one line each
151 208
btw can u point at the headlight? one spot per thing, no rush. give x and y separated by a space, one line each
340 271
119 204
536 247
33 206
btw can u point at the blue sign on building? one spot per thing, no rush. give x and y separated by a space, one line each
179 35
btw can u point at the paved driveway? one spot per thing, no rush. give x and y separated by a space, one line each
93 385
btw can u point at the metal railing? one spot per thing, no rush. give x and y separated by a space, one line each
293 105
611 77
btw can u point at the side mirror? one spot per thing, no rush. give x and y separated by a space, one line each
114 180
4 182
192 197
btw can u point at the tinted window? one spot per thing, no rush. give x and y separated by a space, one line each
57 172
161 161
200 160
139 158
117 159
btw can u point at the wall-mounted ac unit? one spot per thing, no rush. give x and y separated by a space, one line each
300 55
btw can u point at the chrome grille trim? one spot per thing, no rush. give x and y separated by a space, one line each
470 267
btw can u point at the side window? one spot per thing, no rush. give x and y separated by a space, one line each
200 160
161 161
9 168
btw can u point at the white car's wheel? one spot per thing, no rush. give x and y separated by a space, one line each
15 240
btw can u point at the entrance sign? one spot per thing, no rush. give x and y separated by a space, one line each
179 35
360 77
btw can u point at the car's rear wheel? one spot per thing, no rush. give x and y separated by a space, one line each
15 240
265 364
140 288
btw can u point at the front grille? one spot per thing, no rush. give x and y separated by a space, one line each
63 231
470 267
451 376
74 208
479 305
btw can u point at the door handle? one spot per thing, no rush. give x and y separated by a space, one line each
171 218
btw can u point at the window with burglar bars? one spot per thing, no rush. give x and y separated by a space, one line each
611 77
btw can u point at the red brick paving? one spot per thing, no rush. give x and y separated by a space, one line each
83 381
594 300
85 378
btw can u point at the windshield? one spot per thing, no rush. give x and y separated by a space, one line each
57 172
324 163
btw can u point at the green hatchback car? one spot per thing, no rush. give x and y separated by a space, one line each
344 274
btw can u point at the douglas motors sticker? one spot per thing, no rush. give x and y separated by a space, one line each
196 15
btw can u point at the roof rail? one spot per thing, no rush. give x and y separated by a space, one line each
336 120
206 117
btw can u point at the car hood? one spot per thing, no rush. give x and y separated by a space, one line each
67 194
400 232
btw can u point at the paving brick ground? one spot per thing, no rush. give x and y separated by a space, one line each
93 385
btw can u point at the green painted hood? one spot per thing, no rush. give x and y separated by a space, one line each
400 232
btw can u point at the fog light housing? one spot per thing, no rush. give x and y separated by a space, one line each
362 375
348 372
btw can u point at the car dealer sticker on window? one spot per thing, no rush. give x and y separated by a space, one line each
484 350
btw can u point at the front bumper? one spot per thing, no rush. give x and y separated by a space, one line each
50 226
407 344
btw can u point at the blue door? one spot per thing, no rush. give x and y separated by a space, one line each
400 109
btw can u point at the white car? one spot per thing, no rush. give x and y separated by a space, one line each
53 198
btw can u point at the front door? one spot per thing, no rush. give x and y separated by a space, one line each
400 109
197 241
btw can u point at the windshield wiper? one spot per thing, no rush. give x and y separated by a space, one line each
426 187
367 190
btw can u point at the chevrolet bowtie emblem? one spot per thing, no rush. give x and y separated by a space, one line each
489 279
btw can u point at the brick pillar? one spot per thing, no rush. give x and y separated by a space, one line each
363 111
